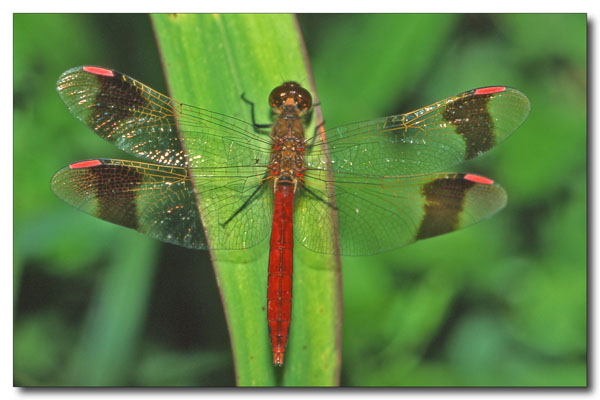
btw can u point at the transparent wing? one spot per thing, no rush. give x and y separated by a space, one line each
153 199
225 155
382 196
143 122
384 214
160 201
431 139
385 195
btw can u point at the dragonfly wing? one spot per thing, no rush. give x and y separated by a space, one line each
144 122
160 201
155 200
238 210
390 213
224 155
431 139
124 112
386 180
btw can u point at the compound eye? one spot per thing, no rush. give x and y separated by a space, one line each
303 99
290 90
277 96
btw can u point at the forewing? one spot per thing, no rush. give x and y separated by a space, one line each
431 139
143 122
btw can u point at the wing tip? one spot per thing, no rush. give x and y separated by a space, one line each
85 164
478 179
490 90
98 70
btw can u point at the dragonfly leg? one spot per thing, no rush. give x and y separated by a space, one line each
246 203
321 199
256 126
311 141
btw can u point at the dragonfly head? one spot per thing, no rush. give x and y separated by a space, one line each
290 97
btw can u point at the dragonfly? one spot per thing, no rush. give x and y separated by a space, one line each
383 179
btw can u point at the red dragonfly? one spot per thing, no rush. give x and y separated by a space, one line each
382 177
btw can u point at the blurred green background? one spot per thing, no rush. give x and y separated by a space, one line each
501 303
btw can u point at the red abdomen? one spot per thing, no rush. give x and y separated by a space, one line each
279 292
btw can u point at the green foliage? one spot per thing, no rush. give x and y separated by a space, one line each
230 55
501 303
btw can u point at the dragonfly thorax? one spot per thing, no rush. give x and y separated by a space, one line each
287 150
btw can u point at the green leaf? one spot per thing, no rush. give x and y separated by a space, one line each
210 60
106 348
